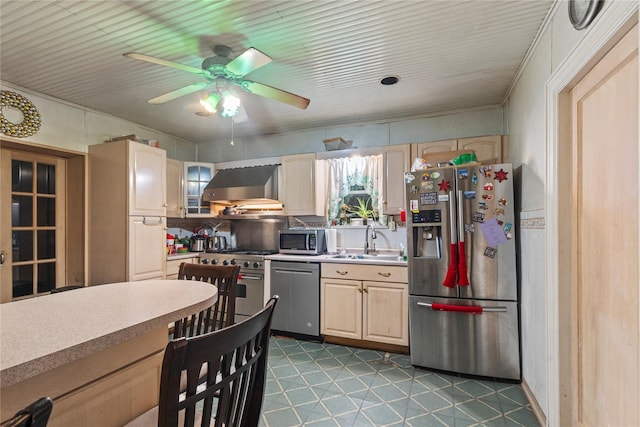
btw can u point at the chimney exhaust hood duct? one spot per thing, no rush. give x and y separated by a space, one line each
257 184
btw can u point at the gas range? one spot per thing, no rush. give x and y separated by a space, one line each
249 260
250 292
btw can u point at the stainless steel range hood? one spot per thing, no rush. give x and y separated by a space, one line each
257 184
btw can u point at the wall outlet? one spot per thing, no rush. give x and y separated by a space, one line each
392 225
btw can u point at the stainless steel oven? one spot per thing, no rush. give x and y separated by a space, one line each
250 289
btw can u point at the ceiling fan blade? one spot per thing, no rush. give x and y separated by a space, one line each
178 93
248 61
151 59
276 94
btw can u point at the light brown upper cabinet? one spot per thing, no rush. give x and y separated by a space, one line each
303 185
396 160
489 149
175 186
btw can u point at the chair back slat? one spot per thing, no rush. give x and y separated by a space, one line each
236 359
222 313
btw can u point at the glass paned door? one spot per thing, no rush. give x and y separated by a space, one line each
32 197
197 176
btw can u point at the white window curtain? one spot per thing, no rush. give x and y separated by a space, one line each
346 172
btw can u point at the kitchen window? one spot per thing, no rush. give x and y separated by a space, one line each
353 178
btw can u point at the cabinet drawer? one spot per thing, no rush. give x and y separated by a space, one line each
173 266
376 273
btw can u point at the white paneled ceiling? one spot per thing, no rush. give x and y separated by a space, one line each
449 55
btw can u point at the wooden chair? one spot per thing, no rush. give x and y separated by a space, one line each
222 313
35 415
236 357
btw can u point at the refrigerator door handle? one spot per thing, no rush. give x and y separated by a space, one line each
473 309
450 278
463 277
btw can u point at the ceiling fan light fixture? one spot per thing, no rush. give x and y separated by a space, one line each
230 104
210 102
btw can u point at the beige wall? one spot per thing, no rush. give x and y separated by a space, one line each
72 127
448 125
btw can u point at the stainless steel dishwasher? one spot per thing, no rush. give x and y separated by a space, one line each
298 310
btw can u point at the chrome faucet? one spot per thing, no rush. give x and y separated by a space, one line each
366 238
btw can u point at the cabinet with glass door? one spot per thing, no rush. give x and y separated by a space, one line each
196 177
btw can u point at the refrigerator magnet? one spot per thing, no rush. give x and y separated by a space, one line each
507 227
435 175
413 205
499 211
443 197
488 186
503 202
478 217
469 194
483 206
501 175
427 185
487 196
444 185
463 173
490 252
408 177
474 179
428 198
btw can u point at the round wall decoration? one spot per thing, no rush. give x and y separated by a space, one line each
31 117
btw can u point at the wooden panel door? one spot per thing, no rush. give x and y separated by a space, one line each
488 148
147 180
341 308
436 147
605 331
386 312
174 189
147 253
299 185
396 162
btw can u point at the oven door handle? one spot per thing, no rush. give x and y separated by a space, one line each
245 277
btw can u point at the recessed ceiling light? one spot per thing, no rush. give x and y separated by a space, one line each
390 80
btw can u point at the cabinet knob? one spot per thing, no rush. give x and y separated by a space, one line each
342 273
385 274
165 205
366 290
360 290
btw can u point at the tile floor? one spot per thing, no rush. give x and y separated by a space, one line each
314 384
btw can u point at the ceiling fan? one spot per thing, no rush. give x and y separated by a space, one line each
223 72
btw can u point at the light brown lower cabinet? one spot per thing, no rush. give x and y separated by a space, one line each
173 265
365 302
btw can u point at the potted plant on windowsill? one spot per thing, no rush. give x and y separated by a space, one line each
362 210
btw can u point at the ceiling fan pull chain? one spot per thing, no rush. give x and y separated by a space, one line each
231 130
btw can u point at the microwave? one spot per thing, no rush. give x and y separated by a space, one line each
302 241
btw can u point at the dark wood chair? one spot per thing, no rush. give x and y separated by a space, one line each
222 313
35 415
236 360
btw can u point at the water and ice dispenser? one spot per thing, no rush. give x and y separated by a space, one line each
427 234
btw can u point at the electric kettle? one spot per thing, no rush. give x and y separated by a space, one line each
197 243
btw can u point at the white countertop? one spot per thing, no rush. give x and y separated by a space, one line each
42 333
333 258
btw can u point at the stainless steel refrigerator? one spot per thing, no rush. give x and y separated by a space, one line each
462 270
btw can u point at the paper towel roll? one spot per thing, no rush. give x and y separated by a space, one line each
332 240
